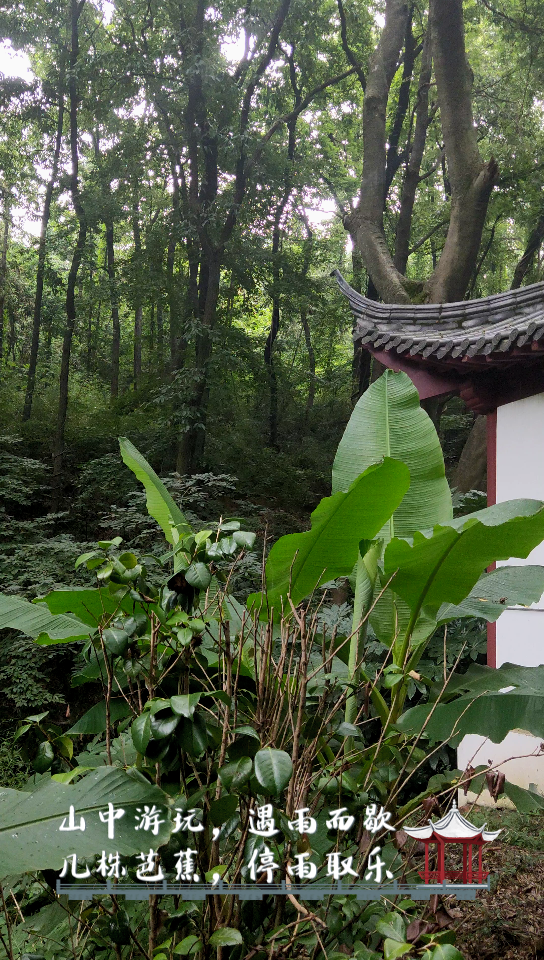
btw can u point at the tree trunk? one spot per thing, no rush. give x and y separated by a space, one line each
471 470
115 322
58 449
38 298
138 308
471 180
311 362
192 441
12 339
171 294
411 178
4 269
270 341
160 336
365 224
534 243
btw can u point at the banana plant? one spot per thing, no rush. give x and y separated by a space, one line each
421 567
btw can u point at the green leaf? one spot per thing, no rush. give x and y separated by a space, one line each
198 575
246 731
223 809
445 951
389 422
30 838
189 945
163 724
244 539
90 605
44 757
106 544
482 708
524 800
36 621
300 562
185 704
192 735
234 775
141 732
392 949
443 565
70 774
503 587
225 937
160 504
115 641
348 730
91 555
273 769
393 926
22 730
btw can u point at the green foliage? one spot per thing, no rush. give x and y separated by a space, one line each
197 714
388 422
160 504
299 563
40 844
483 704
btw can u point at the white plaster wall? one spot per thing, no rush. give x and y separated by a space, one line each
520 631
520 456
514 755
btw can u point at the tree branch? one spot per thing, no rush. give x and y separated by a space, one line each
471 180
394 159
430 233
365 224
286 118
412 175
531 29
481 260
534 243
351 58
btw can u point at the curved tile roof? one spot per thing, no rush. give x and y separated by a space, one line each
452 826
502 324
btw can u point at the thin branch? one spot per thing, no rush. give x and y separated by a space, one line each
350 55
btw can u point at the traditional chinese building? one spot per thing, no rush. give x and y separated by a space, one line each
453 828
491 353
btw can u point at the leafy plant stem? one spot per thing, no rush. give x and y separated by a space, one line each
9 946
367 568
107 698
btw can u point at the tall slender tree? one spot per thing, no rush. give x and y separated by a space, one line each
76 8
42 247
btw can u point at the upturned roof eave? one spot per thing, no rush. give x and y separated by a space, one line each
502 328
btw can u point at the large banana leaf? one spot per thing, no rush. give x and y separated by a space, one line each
30 838
36 619
443 565
160 504
482 708
495 591
300 562
491 595
89 604
389 422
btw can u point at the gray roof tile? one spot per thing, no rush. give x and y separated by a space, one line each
472 328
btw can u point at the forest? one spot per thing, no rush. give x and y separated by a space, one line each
178 181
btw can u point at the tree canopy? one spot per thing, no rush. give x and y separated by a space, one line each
165 178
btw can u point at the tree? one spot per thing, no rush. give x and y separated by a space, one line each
470 179
76 8
46 213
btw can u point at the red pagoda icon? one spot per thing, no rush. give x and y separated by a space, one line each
453 828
